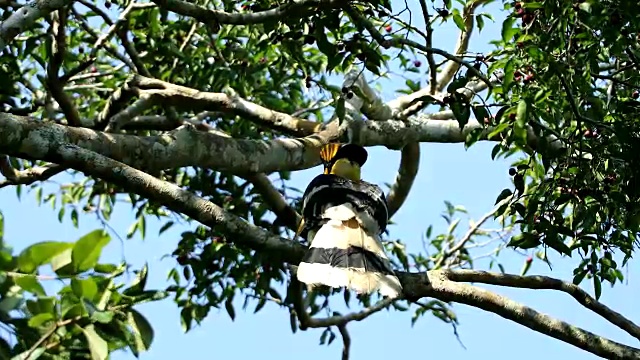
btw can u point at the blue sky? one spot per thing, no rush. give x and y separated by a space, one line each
447 172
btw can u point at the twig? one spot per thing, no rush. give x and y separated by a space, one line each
467 236
346 340
433 69
29 176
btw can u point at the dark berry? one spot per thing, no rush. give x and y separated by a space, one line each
512 171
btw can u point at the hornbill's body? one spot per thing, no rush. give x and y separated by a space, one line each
343 218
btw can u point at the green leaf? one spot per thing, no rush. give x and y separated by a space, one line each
30 283
142 330
457 18
525 267
39 319
577 279
103 317
524 241
293 322
508 30
557 244
503 195
597 287
461 110
520 128
84 288
39 254
340 110
87 249
61 263
165 227
229 306
137 287
97 346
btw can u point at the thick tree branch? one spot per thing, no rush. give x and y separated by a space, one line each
544 282
26 16
375 109
294 8
407 171
185 146
437 284
440 286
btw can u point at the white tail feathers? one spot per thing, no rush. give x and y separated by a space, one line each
344 254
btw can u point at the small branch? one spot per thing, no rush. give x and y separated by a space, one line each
442 287
338 320
346 340
55 86
25 17
29 176
400 42
467 236
452 67
544 282
433 68
184 97
275 200
292 9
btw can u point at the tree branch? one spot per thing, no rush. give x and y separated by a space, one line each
441 287
25 17
452 67
183 97
294 8
29 138
544 282
407 171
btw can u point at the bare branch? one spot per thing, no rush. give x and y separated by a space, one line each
452 67
55 86
346 340
177 199
184 97
544 282
400 42
433 69
29 176
437 284
26 16
294 8
275 200
185 146
407 171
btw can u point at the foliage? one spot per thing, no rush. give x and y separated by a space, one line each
571 74
91 313
567 104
